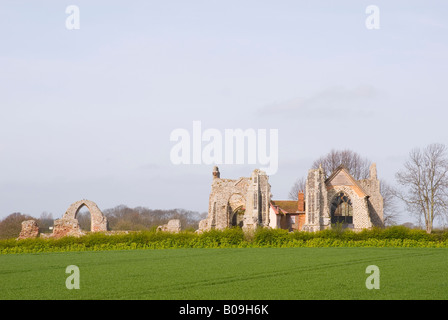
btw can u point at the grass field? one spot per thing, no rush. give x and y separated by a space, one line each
247 273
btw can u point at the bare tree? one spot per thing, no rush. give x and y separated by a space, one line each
84 220
140 218
356 165
45 221
425 180
390 209
299 185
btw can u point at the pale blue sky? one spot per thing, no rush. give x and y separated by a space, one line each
88 113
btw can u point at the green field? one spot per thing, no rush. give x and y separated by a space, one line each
246 273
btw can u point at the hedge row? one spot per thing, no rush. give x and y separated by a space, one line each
231 238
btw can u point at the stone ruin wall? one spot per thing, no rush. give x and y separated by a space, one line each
317 213
244 202
68 225
30 230
367 211
173 226
253 194
375 201
361 217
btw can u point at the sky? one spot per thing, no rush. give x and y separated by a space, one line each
87 113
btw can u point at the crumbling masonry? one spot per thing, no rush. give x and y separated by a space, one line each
356 204
68 225
246 203
242 202
339 199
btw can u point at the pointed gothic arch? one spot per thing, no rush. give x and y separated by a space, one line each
98 219
236 209
341 209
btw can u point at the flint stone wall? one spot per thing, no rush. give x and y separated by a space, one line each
173 226
66 227
29 230
69 225
367 209
240 202
98 219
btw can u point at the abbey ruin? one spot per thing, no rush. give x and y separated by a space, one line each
243 202
339 199
247 203
68 225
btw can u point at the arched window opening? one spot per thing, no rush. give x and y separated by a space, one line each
238 217
84 219
236 210
341 209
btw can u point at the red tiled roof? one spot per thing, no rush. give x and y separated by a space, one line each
285 206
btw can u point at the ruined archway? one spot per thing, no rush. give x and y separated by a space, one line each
98 219
236 210
69 225
341 209
237 217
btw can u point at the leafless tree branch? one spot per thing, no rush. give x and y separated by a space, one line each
425 183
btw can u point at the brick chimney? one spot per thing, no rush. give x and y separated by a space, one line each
301 201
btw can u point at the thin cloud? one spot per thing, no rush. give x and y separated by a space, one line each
329 102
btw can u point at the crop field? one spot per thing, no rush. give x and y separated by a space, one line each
233 273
